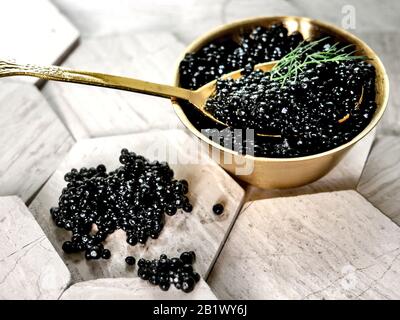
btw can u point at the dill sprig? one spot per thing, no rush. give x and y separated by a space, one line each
288 68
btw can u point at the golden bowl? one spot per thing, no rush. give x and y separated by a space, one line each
271 173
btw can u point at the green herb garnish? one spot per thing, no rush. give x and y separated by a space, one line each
288 68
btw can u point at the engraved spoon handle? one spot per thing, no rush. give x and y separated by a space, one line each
8 69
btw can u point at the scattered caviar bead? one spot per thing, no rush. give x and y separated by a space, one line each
184 182
165 272
134 197
178 285
193 254
143 274
171 210
68 177
132 240
106 254
68 247
164 286
196 277
187 268
188 207
185 186
54 212
130 260
188 285
154 280
218 208
142 263
187 257
93 252
163 257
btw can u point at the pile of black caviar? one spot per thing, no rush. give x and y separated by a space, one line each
165 272
221 57
308 114
135 198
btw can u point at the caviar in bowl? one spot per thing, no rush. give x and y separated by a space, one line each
279 169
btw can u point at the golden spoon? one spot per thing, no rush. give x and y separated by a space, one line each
198 97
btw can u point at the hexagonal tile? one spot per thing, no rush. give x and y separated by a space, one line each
30 268
33 140
196 17
366 17
93 112
186 19
380 181
201 230
35 32
332 245
132 289
343 177
363 13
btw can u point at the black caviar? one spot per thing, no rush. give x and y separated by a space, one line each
315 113
218 208
106 254
218 58
133 198
165 271
130 260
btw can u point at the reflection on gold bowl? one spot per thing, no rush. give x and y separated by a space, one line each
287 172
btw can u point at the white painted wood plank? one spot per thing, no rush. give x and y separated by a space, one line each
30 268
94 112
380 181
35 32
32 139
367 15
324 246
188 19
132 289
201 230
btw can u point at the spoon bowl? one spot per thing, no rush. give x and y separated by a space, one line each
201 95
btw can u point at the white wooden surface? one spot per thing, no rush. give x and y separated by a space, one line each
201 230
323 246
30 268
32 138
35 32
132 289
188 19
93 112
380 181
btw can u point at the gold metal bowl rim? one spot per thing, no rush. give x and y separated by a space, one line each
337 30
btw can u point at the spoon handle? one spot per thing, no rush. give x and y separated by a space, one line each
8 69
